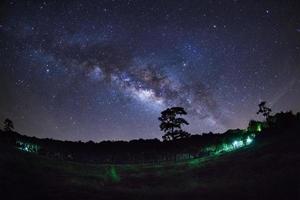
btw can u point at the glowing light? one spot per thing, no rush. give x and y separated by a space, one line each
249 140
147 95
113 175
259 128
226 147
28 147
136 90
237 144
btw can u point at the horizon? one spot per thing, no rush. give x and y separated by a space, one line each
156 138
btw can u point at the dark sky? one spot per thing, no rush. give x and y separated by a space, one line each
99 70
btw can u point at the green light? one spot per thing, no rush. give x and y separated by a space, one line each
194 162
28 147
259 128
237 144
113 175
227 147
249 140
219 149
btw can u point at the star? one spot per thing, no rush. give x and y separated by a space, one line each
115 65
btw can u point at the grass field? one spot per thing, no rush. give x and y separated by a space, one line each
266 169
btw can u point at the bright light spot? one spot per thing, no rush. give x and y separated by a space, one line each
231 146
259 128
147 95
28 147
237 143
137 91
249 140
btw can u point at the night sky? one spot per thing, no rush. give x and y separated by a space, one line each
104 70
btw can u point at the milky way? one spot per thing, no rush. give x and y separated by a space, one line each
91 70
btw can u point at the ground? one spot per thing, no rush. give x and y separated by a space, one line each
267 169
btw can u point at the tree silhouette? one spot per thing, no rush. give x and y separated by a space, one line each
171 124
8 125
264 110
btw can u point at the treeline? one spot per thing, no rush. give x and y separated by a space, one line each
152 150
134 151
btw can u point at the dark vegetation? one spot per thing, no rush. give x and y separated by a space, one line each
134 151
172 125
196 167
177 145
118 152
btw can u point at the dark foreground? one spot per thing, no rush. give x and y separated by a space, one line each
267 169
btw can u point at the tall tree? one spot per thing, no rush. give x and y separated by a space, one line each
171 124
8 125
264 110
